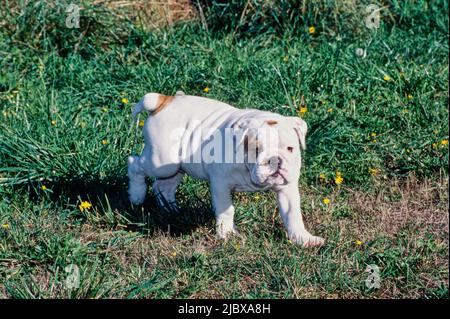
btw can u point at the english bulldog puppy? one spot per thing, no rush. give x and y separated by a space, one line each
235 150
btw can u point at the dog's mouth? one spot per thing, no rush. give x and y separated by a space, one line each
269 172
278 173
276 178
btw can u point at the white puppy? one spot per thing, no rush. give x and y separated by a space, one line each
235 150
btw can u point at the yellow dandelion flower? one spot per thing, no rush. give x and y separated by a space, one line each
302 110
44 188
312 30
374 140
141 123
125 100
6 226
322 176
387 78
373 171
339 180
434 145
53 122
338 173
330 110
410 97
237 247
326 201
174 253
257 197
286 58
444 142
373 134
290 242
206 89
358 242
85 205
105 142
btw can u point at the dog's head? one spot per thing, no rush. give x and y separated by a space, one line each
272 148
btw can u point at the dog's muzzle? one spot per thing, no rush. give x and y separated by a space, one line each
269 170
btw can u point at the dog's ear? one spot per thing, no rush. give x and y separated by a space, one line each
300 128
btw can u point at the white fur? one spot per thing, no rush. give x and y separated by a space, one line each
191 113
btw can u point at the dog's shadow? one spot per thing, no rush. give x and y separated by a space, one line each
109 196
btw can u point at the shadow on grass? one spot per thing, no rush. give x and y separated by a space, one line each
109 199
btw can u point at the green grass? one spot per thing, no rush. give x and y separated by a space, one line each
61 96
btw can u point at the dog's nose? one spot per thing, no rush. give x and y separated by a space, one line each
275 162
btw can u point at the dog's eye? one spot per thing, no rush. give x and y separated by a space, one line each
290 149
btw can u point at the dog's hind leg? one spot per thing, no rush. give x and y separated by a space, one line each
137 184
167 187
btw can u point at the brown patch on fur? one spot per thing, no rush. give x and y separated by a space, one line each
163 101
271 122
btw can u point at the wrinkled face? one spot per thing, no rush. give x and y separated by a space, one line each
273 152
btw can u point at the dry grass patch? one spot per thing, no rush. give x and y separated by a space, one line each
422 205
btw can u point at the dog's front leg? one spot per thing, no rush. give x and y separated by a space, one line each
289 206
223 209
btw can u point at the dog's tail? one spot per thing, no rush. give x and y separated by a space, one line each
153 103
148 103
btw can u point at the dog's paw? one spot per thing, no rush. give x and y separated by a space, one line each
137 199
137 190
308 240
314 241
223 232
